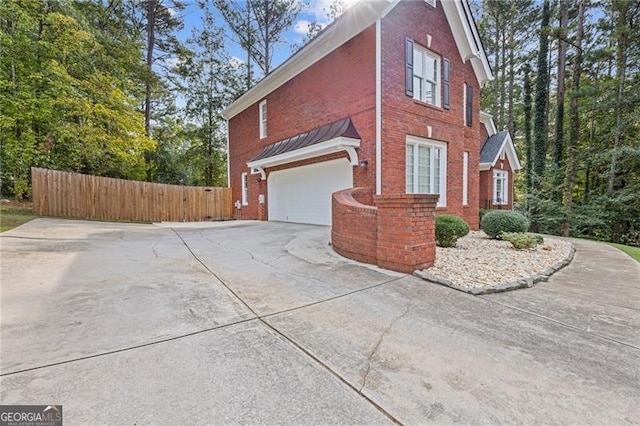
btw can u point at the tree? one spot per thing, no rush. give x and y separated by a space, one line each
65 104
258 26
528 143
541 98
211 81
562 61
574 126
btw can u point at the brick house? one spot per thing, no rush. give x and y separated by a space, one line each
498 162
387 98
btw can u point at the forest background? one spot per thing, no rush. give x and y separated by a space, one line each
135 89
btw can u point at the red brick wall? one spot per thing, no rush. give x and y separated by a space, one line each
406 231
397 234
403 116
340 85
354 230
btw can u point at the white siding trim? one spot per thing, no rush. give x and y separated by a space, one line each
228 158
378 107
465 178
263 116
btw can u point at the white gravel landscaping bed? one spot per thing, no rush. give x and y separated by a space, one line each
479 264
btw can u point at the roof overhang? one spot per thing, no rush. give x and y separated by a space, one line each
352 23
510 150
467 38
487 120
331 146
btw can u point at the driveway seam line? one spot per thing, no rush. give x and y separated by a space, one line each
548 290
573 327
289 339
129 348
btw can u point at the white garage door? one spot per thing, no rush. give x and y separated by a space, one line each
303 194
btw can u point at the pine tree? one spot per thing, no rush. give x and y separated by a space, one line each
541 99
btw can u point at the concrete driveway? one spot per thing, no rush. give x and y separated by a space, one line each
262 323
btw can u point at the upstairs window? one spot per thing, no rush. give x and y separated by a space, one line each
426 76
500 188
263 119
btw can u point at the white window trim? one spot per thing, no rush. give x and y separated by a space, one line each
244 182
417 91
431 2
416 141
505 187
263 120
465 178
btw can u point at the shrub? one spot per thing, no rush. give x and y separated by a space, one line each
521 240
539 238
496 222
483 212
449 228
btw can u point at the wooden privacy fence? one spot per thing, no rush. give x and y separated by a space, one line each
76 195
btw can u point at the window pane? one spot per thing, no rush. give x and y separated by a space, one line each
410 165
418 68
423 169
431 70
437 154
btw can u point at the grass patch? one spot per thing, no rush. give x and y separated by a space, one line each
14 214
630 250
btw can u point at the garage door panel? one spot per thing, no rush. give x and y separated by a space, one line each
303 194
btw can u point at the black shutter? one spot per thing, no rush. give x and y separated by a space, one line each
469 106
446 103
409 67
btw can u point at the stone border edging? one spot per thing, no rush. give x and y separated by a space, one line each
498 288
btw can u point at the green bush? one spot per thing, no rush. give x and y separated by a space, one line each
496 222
539 238
483 212
521 241
449 228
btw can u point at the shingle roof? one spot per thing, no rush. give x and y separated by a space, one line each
340 128
491 148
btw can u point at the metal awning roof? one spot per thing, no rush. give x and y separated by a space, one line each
334 137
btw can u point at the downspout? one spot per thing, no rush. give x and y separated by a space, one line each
378 107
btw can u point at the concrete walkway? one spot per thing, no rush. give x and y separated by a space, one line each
263 323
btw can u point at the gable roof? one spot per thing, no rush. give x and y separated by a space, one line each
493 148
351 23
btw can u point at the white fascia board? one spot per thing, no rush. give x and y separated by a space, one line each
464 34
485 166
509 148
316 150
343 30
487 120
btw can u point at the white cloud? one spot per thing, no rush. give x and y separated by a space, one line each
302 26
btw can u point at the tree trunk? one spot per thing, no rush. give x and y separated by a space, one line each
562 63
511 118
574 128
151 17
541 96
621 73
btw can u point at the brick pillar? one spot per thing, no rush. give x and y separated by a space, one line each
406 231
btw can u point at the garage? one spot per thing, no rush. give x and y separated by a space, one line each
303 194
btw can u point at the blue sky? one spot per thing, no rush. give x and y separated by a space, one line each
314 12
